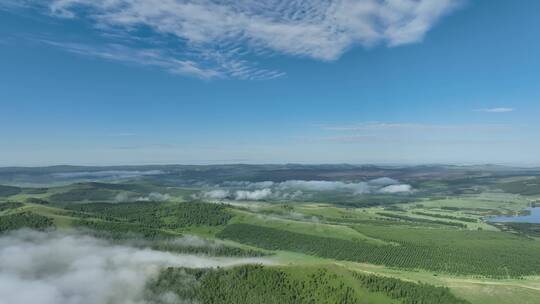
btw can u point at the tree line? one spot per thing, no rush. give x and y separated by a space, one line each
480 255
292 285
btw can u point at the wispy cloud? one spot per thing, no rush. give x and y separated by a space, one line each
147 57
341 139
121 134
381 126
371 133
13 4
166 59
496 110
228 36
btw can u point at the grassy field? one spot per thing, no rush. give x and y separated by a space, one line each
443 241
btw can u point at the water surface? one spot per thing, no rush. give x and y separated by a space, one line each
533 217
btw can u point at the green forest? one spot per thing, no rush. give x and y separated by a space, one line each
271 285
435 246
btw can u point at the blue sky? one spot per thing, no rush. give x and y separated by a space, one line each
272 81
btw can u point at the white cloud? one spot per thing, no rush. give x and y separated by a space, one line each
58 268
189 240
250 195
356 188
396 189
255 195
382 185
496 110
239 195
223 33
291 190
216 194
154 197
121 197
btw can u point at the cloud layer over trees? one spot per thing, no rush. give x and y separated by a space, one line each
298 189
59 268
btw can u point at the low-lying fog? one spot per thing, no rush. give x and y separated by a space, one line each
71 268
302 189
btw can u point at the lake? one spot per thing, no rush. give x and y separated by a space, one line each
534 217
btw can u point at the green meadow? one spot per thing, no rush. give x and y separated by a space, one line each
436 247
